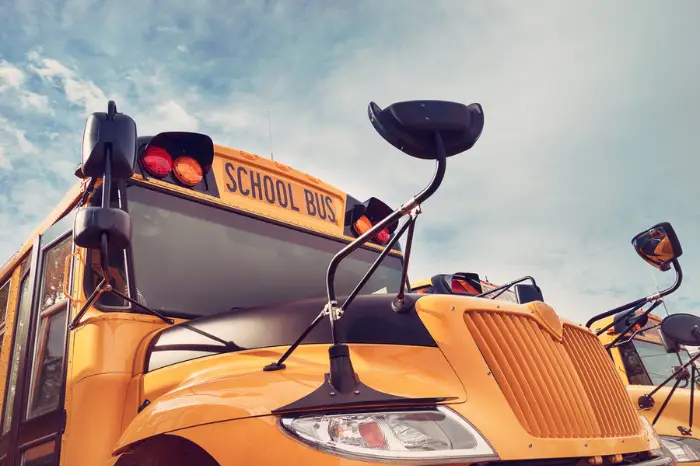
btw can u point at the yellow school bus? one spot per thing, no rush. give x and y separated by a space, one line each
643 363
193 304
647 359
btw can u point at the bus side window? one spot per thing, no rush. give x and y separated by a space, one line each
50 337
4 299
21 324
636 373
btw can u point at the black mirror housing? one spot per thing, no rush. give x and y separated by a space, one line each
527 293
105 133
411 126
682 329
658 246
91 222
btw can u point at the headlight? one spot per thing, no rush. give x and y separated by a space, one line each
683 449
409 436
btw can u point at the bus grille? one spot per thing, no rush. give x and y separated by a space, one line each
566 389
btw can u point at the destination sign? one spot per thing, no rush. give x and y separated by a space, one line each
253 183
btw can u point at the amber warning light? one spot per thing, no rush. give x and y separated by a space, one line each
362 217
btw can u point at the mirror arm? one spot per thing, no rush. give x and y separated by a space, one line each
411 204
379 259
634 322
633 309
647 401
691 408
504 288
665 403
642 301
399 304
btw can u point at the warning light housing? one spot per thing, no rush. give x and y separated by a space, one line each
624 319
362 217
181 158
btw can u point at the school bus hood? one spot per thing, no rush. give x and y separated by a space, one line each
676 413
234 386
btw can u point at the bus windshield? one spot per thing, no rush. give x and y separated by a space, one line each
648 363
192 259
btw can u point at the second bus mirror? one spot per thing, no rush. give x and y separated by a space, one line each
91 223
658 246
683 329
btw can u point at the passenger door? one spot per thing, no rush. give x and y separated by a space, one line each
34 416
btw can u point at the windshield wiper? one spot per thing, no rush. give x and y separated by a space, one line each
105 287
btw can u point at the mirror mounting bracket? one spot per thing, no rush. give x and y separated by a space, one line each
414 128
638 303
681 374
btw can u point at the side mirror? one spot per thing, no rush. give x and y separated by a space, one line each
659 246
525 293
109 152
411 126
682 329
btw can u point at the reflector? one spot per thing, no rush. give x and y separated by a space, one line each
157 162
187 171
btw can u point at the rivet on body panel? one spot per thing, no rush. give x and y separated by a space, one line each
529 446
453 308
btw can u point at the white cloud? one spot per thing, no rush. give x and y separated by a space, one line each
182 48
5 163
11 77
37 102
166 116
82 92
25 146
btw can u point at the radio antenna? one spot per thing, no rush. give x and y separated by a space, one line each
269 125
653 277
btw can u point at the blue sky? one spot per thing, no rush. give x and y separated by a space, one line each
591 118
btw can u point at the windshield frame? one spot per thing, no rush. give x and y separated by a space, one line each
120 200
633 345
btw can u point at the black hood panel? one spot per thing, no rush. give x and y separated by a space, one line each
370 320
